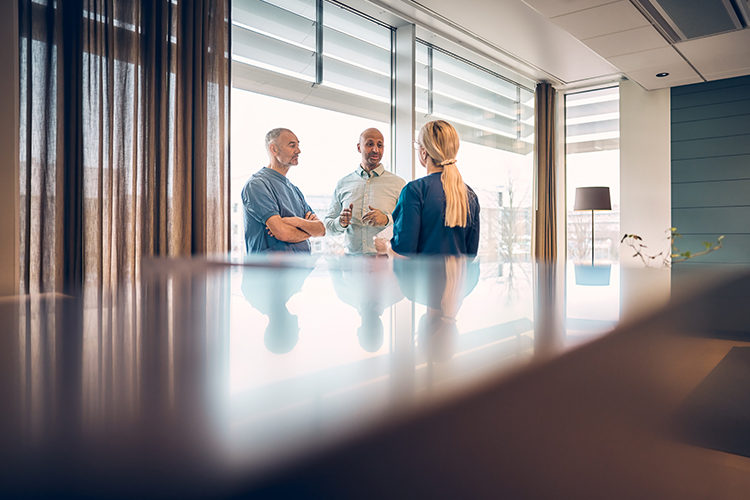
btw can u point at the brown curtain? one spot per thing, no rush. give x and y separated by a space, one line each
124 137
545 237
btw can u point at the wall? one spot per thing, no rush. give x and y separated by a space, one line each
645 202
9 265
711 168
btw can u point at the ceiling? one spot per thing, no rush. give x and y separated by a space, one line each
572 43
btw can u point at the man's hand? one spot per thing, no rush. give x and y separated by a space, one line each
374 217
346 216
310 225
284 229
382 245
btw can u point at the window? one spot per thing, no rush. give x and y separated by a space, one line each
592 137
495 120
313 51
326 72
319 69
592 125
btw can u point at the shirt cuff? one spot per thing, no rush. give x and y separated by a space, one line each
264 218
390 220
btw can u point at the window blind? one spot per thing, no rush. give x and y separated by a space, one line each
485 108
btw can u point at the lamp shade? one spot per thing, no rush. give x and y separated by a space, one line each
592 198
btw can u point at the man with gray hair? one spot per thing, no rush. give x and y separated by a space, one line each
277 217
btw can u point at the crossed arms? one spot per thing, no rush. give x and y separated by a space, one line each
295 229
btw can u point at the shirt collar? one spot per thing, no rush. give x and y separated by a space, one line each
275 174
377 171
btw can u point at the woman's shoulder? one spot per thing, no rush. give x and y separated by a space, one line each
419 185
422 180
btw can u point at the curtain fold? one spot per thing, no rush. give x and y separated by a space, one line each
545 233
124 137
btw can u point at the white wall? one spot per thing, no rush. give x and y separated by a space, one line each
9 148
645 190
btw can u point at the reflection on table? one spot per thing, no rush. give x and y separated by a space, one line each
203 375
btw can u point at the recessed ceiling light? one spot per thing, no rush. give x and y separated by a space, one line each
662 75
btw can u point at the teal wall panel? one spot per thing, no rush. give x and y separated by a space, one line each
711 194
725 109
736 249
712 128
716 221
714 85
709 148
711 168
712 96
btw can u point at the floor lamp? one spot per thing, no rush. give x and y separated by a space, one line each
592 198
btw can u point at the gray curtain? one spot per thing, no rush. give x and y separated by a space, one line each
124 137
545 237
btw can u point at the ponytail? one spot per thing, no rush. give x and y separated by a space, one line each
441 142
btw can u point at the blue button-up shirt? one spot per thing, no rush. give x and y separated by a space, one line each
378 188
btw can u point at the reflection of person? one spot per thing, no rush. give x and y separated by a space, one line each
437 214
277 217
370 287
441 284
268 290
364 199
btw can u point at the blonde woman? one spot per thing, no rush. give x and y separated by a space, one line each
437 214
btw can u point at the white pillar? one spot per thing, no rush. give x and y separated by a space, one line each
404 102
645 190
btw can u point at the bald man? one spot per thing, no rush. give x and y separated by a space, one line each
364 200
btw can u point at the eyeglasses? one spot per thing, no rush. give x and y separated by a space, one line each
417 145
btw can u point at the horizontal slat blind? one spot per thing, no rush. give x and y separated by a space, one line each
592 121
484 108
280 36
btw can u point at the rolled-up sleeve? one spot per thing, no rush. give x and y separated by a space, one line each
331 220
259 202
407 220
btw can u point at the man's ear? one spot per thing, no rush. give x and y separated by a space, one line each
359 148
272 149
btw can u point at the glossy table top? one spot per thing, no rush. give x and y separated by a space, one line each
204 378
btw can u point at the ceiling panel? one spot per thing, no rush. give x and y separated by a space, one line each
679 74
718 54
627 42
578 42
728 74
647 59
603 20
554 8
520 30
